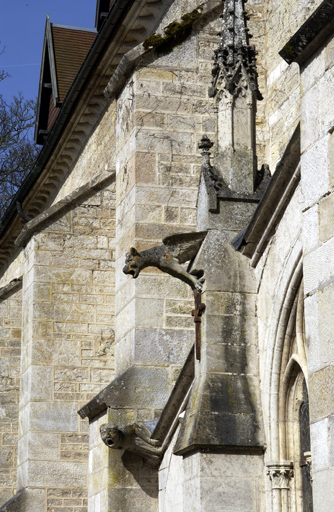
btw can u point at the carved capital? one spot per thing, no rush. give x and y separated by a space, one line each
280 474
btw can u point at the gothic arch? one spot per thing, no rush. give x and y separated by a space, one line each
287 394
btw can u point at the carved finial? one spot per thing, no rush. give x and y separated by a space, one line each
205 145
235 58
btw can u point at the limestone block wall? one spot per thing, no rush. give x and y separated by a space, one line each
162 113
10 359
283 82
97 155
67 348
317 164
282 93
210 481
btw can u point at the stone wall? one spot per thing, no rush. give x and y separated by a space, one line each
317 162
10 361
97 154
67 347
210 481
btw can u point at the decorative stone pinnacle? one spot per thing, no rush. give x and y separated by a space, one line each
205 145
235 58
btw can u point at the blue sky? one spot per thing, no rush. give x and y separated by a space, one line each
22 25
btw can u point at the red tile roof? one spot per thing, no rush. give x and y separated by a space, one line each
70 47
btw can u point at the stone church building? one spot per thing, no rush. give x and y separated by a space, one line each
167 267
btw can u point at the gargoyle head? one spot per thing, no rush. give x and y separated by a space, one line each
133 263
111 435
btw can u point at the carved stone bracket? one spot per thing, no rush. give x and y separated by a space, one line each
308 460
280 474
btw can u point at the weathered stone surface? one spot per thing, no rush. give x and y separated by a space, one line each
60 417
321 396
320 445
222 414
132 388
163 345
323 494
149 134
45 473
319 267
235 277
27 499
245 492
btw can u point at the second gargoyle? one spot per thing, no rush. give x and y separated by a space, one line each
169 257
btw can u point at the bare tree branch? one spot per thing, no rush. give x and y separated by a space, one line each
18 151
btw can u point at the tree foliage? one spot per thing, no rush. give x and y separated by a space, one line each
18 151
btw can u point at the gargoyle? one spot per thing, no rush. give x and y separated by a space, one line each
135 438
168 257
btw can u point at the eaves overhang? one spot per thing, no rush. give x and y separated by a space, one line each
108 31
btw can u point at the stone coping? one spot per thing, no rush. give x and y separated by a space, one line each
179 393
11 287
311 34
12 504
253 240
94 185
109 397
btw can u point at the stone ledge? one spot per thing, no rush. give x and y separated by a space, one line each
252 241
311 35
108 397
131 389
10 288
94 185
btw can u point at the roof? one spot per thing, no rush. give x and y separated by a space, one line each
64 51
71 46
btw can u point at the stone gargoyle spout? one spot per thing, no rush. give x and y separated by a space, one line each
134 438
169 257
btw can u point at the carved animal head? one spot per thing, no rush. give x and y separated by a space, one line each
111 435
133 263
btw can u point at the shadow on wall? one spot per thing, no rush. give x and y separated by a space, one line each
145 476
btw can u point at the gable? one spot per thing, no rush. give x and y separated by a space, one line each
64 51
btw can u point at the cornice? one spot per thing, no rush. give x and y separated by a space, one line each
77 119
